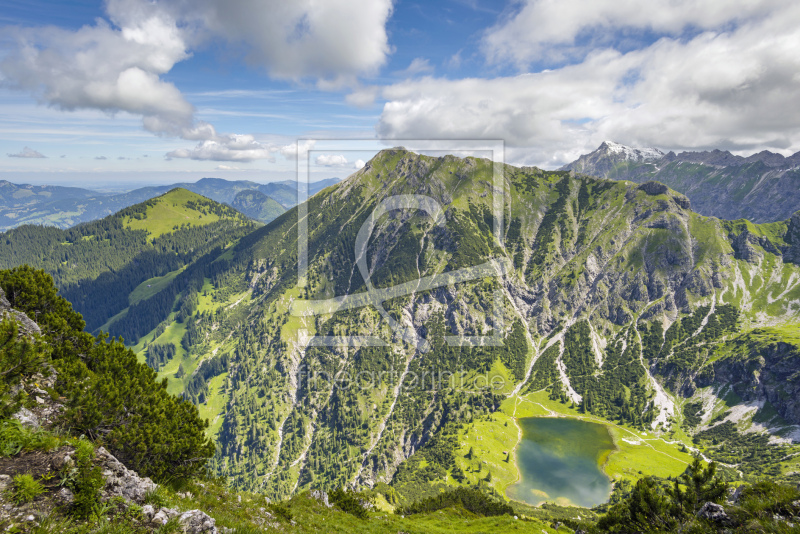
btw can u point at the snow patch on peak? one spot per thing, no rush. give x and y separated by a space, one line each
630 153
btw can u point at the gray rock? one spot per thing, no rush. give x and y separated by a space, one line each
736 494
792 251
714 513
162 516
65 497
197 522
321 496
121 481
27 418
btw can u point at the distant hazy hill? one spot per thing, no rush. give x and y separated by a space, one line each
257 205
64 207
286 192
764 187
97 265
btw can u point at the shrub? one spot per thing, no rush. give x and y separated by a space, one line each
281 511
111 397
19 356
26 489
470 499
84 479
766 499
348 502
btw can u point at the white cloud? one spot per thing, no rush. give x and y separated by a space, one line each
227 168
105 67
363 97
732 88
331 160
333 41
568 29
359 164
418 66
292 151
28 152
232 147
116 65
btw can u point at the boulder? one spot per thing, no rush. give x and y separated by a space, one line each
27 418
121 481
714 513
192 521
320 496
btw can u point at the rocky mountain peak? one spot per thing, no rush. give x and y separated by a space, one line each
609 155
629 153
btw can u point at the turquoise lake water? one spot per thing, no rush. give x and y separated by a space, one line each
560 461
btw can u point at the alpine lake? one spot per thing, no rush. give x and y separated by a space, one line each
560 460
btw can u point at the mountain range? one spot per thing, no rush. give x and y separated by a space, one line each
763 187
64 207
364 357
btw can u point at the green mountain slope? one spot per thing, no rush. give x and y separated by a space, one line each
257 205
64 207
762 187
619 305
98 264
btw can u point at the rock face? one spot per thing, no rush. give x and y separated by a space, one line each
192 521
791 252
121 481
321 497
761 188
610 155
26 326
764 371
714 513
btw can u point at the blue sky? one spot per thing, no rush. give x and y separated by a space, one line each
134 91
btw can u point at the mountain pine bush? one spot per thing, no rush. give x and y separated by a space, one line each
111 397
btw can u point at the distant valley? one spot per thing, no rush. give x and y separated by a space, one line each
64 207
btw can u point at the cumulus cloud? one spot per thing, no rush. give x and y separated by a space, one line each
331 160
333 41
359 164
233 147
295 150
28 152
112 67
363 97
116 64
563 30
732 88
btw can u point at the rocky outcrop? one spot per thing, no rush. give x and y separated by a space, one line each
121 481
791 252
191 521
714 513
761 372
26 326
